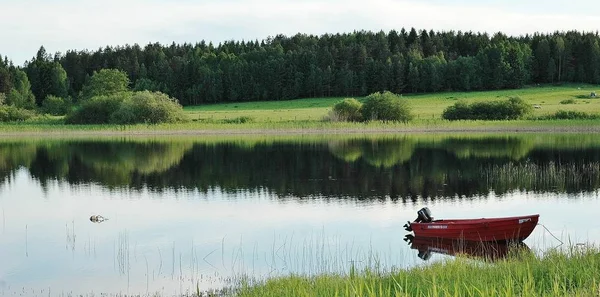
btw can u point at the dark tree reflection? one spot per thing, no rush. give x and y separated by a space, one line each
403 168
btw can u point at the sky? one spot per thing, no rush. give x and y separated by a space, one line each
61 25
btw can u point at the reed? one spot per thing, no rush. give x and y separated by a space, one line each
123 253
556 176
574 271
304 127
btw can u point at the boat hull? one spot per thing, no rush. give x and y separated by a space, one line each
492 229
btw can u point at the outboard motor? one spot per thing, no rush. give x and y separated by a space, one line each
424 255
424 215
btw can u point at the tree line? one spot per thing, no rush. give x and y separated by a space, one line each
301 66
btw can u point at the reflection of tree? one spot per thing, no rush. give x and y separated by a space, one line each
388 152
144 158
15 155
379 153
514 148
348 151
396 167
109 163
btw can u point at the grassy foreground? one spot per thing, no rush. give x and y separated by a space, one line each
575 272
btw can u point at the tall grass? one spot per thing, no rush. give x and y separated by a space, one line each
553 175
235 126
571 272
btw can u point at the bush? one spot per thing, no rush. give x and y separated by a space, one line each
128 108
568 101
238 120
518 108
13 114
148 107
2 98
512 109
348 109
97 110
386 106
459 111
570 115
56 105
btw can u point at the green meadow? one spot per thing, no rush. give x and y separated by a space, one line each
307 116
424 106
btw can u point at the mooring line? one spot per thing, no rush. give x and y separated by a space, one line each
561 242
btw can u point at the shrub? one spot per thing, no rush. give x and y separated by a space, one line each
148 107
56 105
348 109
570 115
2 98
459 111
512 109
238 120
128 108
97 110
568 101
13 114
518 108
386 106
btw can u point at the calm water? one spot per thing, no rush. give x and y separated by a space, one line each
186 213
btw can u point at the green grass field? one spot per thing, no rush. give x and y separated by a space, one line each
424 106
306 116
574 272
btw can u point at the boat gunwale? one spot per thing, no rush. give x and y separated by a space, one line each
475 221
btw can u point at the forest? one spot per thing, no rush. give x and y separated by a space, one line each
304 66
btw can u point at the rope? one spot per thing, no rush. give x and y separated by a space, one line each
561 242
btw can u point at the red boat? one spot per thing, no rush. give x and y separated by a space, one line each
492 229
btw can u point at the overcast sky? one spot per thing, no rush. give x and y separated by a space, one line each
61 25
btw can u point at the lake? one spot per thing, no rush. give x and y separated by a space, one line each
187 214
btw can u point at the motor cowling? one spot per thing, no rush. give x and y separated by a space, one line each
424 215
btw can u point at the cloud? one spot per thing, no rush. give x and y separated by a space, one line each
68 24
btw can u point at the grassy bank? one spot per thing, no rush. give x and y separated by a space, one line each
575 272
302 127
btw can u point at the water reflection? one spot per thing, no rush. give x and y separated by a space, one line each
486 251
403 168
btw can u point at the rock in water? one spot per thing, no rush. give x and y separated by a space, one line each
97 219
